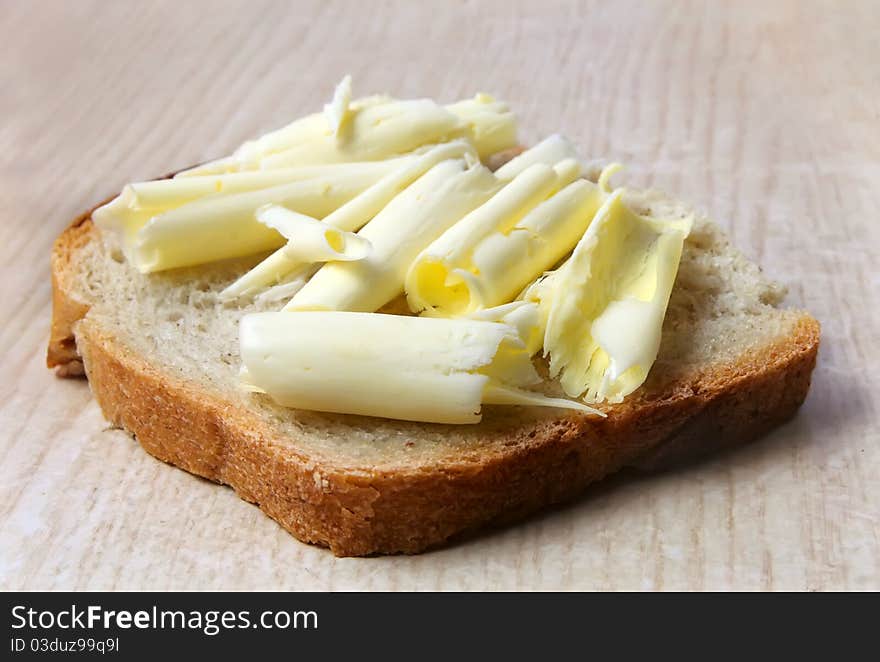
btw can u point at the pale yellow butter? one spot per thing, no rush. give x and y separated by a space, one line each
608 301
248 155
339 108
309 240
287 286
551 150
371 128
491 126
496 250
392 366
421 213
221 227
376 132
140 201
350 217
524 316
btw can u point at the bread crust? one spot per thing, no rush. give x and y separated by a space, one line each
358 511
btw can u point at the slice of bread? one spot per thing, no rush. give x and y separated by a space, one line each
161 356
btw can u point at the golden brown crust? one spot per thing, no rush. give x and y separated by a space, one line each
367 510
66 310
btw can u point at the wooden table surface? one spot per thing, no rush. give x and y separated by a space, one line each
766 113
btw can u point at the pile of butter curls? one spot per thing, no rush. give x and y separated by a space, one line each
378 197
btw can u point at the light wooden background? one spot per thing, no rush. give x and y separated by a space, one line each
766 113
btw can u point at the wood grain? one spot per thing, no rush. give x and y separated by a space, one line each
765 113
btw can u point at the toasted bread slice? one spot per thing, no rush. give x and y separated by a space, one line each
161 355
